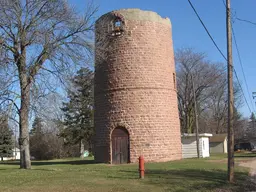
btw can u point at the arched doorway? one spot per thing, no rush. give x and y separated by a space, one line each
120 146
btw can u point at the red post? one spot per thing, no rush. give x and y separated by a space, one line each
141 167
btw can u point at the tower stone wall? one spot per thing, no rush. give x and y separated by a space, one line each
135 86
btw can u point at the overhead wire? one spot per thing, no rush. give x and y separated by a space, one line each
241 64
240 60
207 30
201 21
246 21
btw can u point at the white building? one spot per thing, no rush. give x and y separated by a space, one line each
15 155
189 147
219 143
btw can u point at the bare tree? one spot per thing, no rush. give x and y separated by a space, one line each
216 106
215 113
211 92
205 74
250 130
39 37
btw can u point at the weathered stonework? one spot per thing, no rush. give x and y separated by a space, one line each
135 86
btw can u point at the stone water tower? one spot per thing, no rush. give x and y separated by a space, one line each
136 110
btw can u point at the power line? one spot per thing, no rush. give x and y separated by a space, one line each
241 64
246 21
201 21
207 30
239 19
240 61
242 91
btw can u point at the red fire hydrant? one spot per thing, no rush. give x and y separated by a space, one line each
141 167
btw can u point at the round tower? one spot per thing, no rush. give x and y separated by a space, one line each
136 110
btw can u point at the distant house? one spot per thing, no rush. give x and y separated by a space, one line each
189 147
218 143
15 155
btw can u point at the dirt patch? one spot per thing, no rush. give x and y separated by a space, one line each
252 179
249 163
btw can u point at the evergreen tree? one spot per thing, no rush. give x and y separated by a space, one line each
37 126
252 117
78 111
251 128
38 146
6 140
239 126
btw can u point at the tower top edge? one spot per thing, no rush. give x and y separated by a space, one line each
138 15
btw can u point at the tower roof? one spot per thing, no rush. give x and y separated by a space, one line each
141 15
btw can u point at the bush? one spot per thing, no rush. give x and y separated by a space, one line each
48 146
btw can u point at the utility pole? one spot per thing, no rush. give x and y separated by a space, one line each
253 113
230 96
196 116
253 95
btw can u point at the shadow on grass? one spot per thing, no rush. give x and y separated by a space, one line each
246 156
61 162
192 179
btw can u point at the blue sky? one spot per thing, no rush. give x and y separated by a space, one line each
188 32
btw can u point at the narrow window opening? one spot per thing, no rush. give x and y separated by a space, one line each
117 24
174 80
117 27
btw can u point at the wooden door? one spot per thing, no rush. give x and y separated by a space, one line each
120 146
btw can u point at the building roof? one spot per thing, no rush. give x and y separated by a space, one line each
16 149
193 135
218 138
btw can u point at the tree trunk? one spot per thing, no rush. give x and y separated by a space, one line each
25 162
2 158
81 149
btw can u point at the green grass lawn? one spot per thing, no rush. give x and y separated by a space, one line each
74 175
